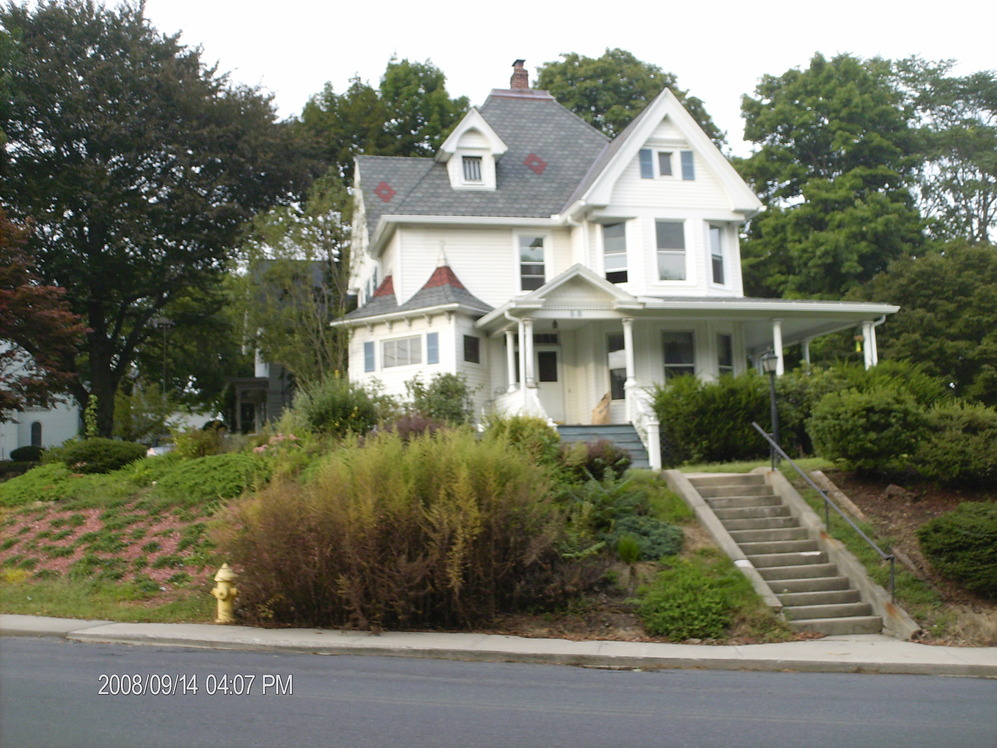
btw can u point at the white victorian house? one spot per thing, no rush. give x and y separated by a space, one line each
556 269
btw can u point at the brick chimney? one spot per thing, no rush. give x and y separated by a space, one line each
520 77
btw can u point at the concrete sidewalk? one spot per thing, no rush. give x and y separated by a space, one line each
868 653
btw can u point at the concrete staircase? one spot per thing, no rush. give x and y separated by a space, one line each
623 435
814 595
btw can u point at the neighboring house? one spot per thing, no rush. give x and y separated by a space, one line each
556 269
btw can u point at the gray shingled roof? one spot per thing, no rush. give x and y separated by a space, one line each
527 124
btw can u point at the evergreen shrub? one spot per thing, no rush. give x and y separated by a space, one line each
962 545
96 454
875 430
960 446
711 421
654 538
444 530
27 453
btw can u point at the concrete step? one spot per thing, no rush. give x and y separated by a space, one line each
805 571
836 610
767 547
751 512
732 502
728 479
747 489
762 535
819 597
840 626
809 584
766 560
760 523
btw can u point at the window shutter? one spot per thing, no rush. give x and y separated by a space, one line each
368 356
433 348
688 167
646 164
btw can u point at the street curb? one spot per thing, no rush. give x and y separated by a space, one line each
862 654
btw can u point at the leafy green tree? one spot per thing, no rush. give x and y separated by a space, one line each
420 112
298 263
138 164
609 91
38 332
956 121
409 115
947 321
832 165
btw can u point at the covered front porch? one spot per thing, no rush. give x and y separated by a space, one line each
580 350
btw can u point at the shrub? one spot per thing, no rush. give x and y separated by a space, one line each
960 447
901 376
531 435
962 545
337 407
443 530
26 454
654 538
446 398
210 479
875 430
696 598
598 460
192 443
43 483
409 425
96 454
711 421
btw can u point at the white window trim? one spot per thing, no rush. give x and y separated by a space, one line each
724 241
395 341
627 243
517 267
694 371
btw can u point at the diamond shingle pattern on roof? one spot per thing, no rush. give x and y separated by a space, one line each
535 128
443 287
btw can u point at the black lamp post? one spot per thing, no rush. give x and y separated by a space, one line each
770 363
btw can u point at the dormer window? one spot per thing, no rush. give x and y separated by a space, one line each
472 169
471 152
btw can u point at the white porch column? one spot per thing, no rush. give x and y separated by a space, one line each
869 344
528 335
780 364
628 347
805 350
510 360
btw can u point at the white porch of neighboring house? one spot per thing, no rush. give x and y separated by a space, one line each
586 341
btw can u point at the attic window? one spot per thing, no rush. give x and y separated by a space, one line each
472 168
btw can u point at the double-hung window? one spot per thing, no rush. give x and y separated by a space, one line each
646 160
614 243
401 351
472 349
680 355
671 250
717 254
531 262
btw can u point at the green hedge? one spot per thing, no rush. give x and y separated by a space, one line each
209 479
96 455
962 545
960 447
874 430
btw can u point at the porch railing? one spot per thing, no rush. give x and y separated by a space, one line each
640 413
828 505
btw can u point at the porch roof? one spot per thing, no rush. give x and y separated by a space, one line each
800 319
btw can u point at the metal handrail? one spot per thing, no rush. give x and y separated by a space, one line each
828 504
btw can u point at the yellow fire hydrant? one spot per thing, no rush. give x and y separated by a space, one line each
225 592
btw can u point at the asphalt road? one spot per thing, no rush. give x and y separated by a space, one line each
59 693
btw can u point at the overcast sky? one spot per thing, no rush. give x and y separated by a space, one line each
718 50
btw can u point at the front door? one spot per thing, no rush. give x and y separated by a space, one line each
550 387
